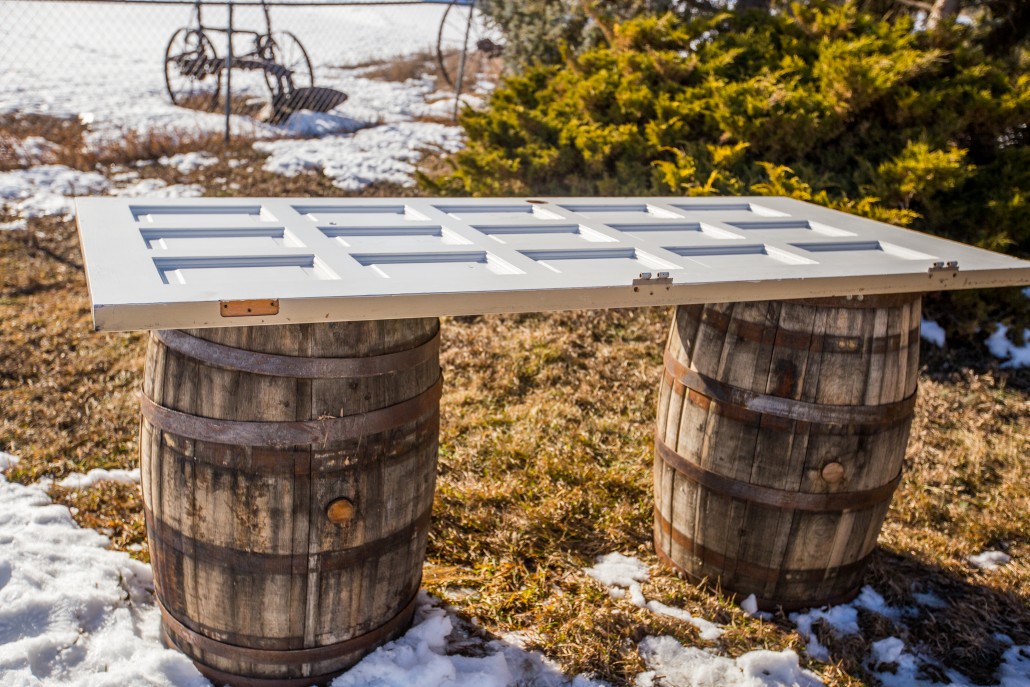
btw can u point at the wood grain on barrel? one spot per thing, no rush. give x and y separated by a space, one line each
243 548
855 357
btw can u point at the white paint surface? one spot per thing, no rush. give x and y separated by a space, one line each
382 258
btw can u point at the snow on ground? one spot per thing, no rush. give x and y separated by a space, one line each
617 570
930 331
750 607
890 659
49 190
624 573
989 560
32 150
894 663
1003 349
105 62
79 480
185 163
104 65
158 188
74 613
683 666
383 153
46 190
420 658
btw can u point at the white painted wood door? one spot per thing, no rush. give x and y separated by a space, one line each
233 262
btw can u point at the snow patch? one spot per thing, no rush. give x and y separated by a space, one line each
421 658
617 570
681 666
73 612
750 608
318 124
1003 349
78 480
888 659
46 190
989 560
709 630
8 461
33 150
1015 667
382 154
622 574
870 600
886 650
418 658
930 331
16 225
185 163
158 188
843 619
905 669
929 599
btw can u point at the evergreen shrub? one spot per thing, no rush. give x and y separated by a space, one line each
823 103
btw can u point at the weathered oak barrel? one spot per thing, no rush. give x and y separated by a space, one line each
781 432
288 476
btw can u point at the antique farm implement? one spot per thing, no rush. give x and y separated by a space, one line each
194 69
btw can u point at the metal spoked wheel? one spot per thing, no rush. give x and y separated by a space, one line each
456 35
193 70
294 71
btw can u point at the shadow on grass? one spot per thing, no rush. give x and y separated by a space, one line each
959 625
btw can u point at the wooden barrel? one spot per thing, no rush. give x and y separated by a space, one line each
781 431
288 476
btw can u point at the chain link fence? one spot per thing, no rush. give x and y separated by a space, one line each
176 65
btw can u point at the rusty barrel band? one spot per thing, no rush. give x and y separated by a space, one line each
767 604
767 421
879 415
288 657
761 573
241 360
769 496
269 461
259 642
240 561
771 335
283 434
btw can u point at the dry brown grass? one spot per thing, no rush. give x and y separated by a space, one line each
478 65
71 148
399 69
423 63
545 462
